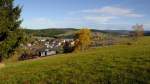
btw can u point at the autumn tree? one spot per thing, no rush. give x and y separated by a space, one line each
10 32
83 39
138 30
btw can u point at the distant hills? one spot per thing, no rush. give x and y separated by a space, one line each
48 32
51 32
147 33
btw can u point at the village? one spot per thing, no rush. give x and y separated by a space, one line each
49 46
46 46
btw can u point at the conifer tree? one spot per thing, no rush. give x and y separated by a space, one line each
10 32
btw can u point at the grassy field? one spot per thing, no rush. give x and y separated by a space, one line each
119 64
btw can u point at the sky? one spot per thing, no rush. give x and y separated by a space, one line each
95 14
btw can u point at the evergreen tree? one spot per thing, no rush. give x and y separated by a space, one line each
10 32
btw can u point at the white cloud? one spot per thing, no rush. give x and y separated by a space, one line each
67 22
120 11
99 19
112 10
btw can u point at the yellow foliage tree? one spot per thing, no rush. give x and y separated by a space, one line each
83 39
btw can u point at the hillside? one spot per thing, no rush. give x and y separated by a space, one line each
68 32
120 64
48 32
55 32
51 32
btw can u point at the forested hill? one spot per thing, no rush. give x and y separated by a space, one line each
51 32
48 32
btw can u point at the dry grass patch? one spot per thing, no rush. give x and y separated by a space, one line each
2 65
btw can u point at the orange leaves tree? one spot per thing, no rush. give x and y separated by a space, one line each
82 39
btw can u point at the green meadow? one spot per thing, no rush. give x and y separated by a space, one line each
117 64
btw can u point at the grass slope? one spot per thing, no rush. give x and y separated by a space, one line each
121 64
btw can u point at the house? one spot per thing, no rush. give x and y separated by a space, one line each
50 52
46 52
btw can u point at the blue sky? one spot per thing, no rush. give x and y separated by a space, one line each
97 14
